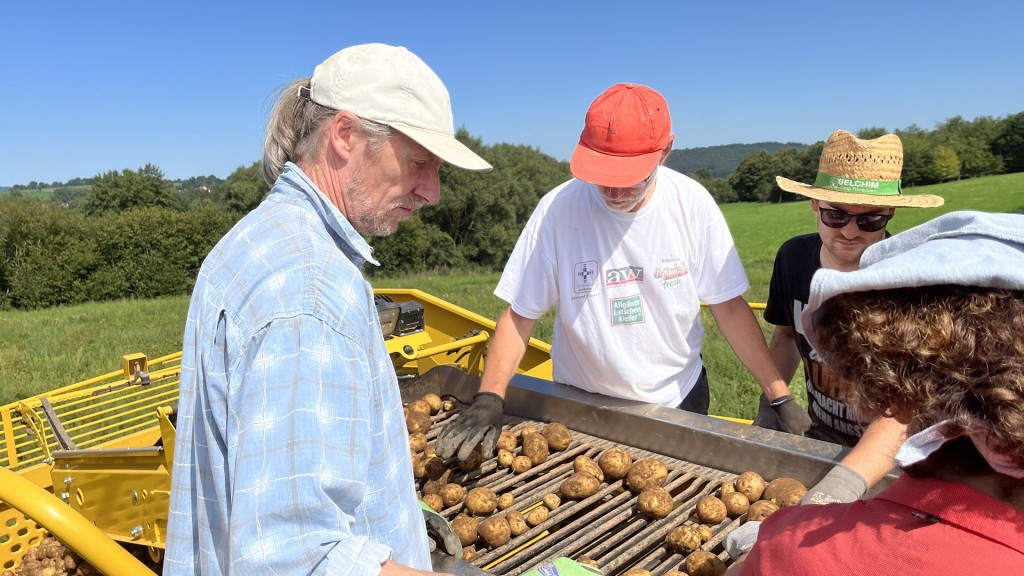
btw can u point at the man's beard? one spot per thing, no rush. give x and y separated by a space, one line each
363 216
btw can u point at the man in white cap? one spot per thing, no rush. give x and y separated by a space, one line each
292 454
853 197
626 252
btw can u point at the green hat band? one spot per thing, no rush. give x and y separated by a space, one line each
858 185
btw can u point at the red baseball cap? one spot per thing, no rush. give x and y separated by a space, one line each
628 126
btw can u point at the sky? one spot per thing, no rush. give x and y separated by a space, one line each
90 87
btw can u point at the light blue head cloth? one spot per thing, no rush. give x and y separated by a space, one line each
963 248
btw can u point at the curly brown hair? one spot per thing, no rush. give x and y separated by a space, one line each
924 355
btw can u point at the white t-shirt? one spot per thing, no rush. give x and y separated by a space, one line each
627 286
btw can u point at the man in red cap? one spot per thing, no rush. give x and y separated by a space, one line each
626 252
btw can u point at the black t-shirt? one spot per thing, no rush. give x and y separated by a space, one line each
795 264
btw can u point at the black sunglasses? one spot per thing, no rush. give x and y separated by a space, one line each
836 218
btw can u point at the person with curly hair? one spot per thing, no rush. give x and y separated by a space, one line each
930 331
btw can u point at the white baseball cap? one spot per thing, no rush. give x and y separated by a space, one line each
391 85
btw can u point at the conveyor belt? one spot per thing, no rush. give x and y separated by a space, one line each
700 453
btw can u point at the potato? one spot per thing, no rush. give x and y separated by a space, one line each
587 561
726 488
704 563
586 464
535 447
637 572
736 504
516 522
433 468
705 531
784 491
761 509
495 531
419 468
751 484
537 516
557 435
505 458
432 487
521 464
506 500
615 463
429 451
526 431
481 501
447 405
646 473
434 401
676 573
419 406
472 462
506 441
552 501
655 502
711 510
579 486
417 422
466 528
451 494
434 501
468 553
683 539
417 441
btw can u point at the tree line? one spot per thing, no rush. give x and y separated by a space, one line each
956 149
134 234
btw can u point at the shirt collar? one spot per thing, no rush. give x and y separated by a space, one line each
349 240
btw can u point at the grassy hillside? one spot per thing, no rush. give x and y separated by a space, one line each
51 348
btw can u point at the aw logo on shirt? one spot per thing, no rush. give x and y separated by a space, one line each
584 276
626 311
625 275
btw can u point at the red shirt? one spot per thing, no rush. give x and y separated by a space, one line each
917 526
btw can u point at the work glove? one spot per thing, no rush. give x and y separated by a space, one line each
766 415
742 539
478 424
792 418
841 484
440 531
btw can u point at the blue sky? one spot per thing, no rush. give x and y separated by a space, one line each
88 87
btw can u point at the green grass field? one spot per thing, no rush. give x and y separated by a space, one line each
47 349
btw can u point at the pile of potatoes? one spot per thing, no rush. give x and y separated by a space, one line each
749 494
52 558
491 520
486 519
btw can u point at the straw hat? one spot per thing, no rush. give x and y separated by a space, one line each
865 172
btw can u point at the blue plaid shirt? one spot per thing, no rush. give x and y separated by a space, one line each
292 455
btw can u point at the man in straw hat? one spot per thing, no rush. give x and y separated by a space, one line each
928 332
292 455
625 252
854 197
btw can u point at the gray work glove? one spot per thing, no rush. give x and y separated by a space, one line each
792 418
841 484
767 417
440 531
479 424
742 539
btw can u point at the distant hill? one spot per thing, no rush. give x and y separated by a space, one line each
721 161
